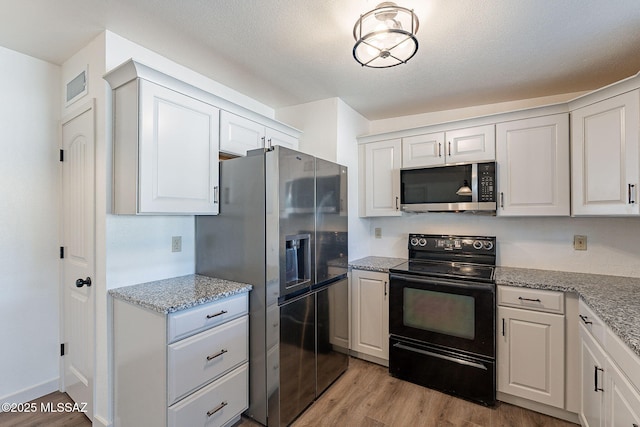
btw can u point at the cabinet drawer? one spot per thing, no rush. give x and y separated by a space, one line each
201 358
214 405
188 322
531 299
592 322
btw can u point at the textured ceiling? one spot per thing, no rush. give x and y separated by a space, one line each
289 52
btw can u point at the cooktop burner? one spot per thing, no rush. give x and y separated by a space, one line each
447 256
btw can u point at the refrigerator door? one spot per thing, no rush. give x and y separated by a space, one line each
290 195
332 312
297 367
331 221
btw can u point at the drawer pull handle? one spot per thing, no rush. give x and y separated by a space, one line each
529 299
211 316
218 354
584 319
216 409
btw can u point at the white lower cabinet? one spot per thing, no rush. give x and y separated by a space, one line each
188 368
370 315
610 376
531 346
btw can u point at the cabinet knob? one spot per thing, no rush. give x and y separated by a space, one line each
81 282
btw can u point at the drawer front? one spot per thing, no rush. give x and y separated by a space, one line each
531 299
201 358
184 323
214 405
592 322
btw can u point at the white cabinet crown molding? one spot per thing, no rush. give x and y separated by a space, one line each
133 69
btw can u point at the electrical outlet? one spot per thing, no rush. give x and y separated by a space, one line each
580 243
378 233
176 244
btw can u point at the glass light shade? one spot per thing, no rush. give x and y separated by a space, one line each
385 36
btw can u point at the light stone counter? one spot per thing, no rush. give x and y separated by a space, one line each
179 293
376 263
615 299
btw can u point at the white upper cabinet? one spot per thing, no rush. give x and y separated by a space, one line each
381 164
604 156
423 150
473 144
239 135
165 151
533 166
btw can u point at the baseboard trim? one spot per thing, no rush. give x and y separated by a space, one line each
99 421
538 407
369 358
31 393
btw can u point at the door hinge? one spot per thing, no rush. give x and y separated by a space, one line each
61 155
62 349
61 252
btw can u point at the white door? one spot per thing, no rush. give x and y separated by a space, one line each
370 314
531 355
533 166
78 185
473 144
382 177
423 150
604 154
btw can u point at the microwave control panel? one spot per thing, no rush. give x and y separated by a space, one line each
486 182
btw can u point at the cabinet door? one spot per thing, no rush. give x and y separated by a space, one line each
239 135
623 408
471 144
604 156
423 150
178 146
370 313
592 368
382 162
531 355
533 166
274 137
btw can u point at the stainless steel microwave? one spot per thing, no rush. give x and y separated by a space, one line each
456 188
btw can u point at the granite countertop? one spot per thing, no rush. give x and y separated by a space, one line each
179 293
376 263
615 299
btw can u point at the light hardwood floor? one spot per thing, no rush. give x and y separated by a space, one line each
365 396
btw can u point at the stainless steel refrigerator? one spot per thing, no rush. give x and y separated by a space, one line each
282 227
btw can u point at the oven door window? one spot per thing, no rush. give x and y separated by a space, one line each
444 313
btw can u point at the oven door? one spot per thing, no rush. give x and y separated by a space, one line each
448 313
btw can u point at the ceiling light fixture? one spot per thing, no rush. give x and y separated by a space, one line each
385 36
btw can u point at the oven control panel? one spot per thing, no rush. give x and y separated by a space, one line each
445 243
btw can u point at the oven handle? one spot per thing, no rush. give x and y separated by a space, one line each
444 282
441 356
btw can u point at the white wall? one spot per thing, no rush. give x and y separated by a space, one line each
29 218
318 121
545 243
